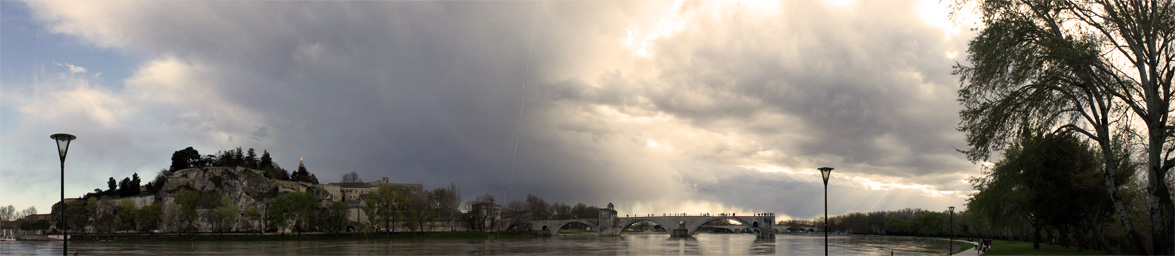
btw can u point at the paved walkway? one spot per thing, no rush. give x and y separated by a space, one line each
967 252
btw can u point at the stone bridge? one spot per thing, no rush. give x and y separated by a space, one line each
608 224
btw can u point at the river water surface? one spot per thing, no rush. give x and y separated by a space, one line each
628 244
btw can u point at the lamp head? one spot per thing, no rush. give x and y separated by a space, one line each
62 143
952 208
825 171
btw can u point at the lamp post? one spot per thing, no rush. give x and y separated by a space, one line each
62 148
951 247
824 172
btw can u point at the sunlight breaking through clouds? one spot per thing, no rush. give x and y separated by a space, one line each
643 103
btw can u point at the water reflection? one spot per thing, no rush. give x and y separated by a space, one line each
634 244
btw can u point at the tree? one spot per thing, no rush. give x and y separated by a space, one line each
538 208
266 161
124 188
112 186
135 184
298 209
36 225
336 217
386 204
153 187
32 210
350 177
125 214
187 201
452 203
582 211
484 213
77 215
184 159
448 200
303 175
7 213
251 159
420 208
149 217
1080 66
562 211
225 216
253 214
518 214
1044 180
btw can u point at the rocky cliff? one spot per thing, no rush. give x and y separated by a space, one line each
245 187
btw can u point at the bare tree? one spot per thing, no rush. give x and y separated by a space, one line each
351 177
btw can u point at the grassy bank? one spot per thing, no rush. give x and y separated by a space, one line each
1001 247
246 237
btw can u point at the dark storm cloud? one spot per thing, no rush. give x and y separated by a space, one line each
432 92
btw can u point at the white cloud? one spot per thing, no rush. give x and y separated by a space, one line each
701 105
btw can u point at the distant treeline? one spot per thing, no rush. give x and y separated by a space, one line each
906 222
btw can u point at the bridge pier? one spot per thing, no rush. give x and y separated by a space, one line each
608 224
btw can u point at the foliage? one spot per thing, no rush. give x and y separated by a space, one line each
303 175
35 225
113 187
77 214
336 217
125 214
1044 181
1083 67
184 159
253 214
187 201
385 205
1000 247
149 217
225 216
297 209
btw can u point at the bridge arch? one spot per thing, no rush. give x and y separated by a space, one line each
752 226
625 223
563 224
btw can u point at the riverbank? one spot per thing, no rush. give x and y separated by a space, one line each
306 236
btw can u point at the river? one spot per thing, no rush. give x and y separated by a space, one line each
628 244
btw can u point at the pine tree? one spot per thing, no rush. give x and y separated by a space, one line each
251 159
266 161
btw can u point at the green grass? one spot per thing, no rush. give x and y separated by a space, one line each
1002 247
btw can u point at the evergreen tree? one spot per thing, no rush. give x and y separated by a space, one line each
238 158
135 183
112 186
251 159
266 161
124 188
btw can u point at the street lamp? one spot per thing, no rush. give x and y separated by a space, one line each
825 171
951 248
62 148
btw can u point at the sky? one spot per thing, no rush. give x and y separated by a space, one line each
655 106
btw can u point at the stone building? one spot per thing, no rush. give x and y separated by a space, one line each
354 194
